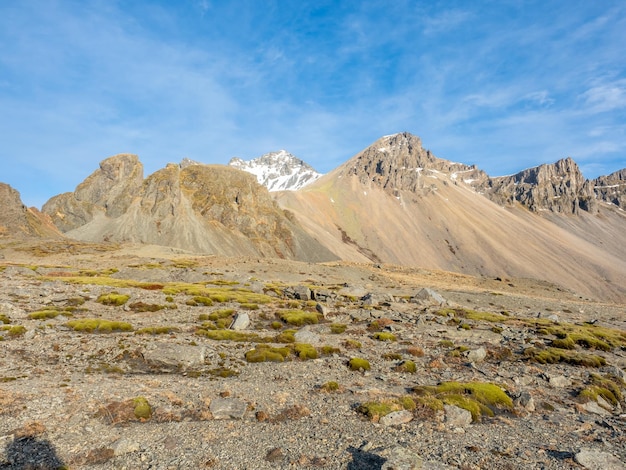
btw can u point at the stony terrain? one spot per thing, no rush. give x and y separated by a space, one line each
163 372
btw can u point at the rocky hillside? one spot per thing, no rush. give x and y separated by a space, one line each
278 171
200 208
112 360
16 219
396 202
559 187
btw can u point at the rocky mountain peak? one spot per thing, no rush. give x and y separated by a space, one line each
278 171
399 162
612 188
558 187
109 189
17 219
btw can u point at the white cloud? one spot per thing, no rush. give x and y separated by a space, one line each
606 97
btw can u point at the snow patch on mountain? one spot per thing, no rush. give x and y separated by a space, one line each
278 171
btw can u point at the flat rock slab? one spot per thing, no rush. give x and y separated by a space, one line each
396 418
227 408
598 460
166 355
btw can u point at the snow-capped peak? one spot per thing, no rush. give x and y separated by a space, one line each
278 171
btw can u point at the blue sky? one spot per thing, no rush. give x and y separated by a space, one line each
505 85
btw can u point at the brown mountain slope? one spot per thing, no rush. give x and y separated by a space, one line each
402 205
201 208
18 220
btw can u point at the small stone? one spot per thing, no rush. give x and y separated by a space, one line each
305 335
172 356
227 408
322 309
593 407
598 460
457 417
240 322
476 355
428 295
396 418
125 446
526 401
274 455
559 381
401 458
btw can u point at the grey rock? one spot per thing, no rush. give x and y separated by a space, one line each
429 295
397 417
370 299
598 460
401 458
305 335
476 355
172 356
526 401
322 309
125 446
240 322
559 381
595 408
457 417
227 408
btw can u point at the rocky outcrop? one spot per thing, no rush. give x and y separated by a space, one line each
109 190
200 208
278 171
612 188
399 162
18 220
559 187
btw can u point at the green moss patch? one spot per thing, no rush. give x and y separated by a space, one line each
97 325
337 328
608 387
142 410
4 319
384 336
13 331
377 409
264 353
357 364
229 335
157 330
298 317
305 351
144 307
49 313
472 315
113 298
557 355
479 398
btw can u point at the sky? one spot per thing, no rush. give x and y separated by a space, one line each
505 85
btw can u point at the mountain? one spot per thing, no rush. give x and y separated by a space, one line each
18 220
201 208
278 171
612 188
395 202
559 187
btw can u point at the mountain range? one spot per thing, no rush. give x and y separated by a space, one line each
394 202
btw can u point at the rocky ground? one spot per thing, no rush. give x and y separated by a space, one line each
164 373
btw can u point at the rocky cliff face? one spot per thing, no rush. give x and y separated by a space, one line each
399 162
18 220
559 187
612 188
278 171
200 208
110 190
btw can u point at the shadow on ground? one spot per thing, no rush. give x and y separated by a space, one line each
362 460
30 453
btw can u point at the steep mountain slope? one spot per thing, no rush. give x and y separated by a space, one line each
201 208
395 202
18 220
278 171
